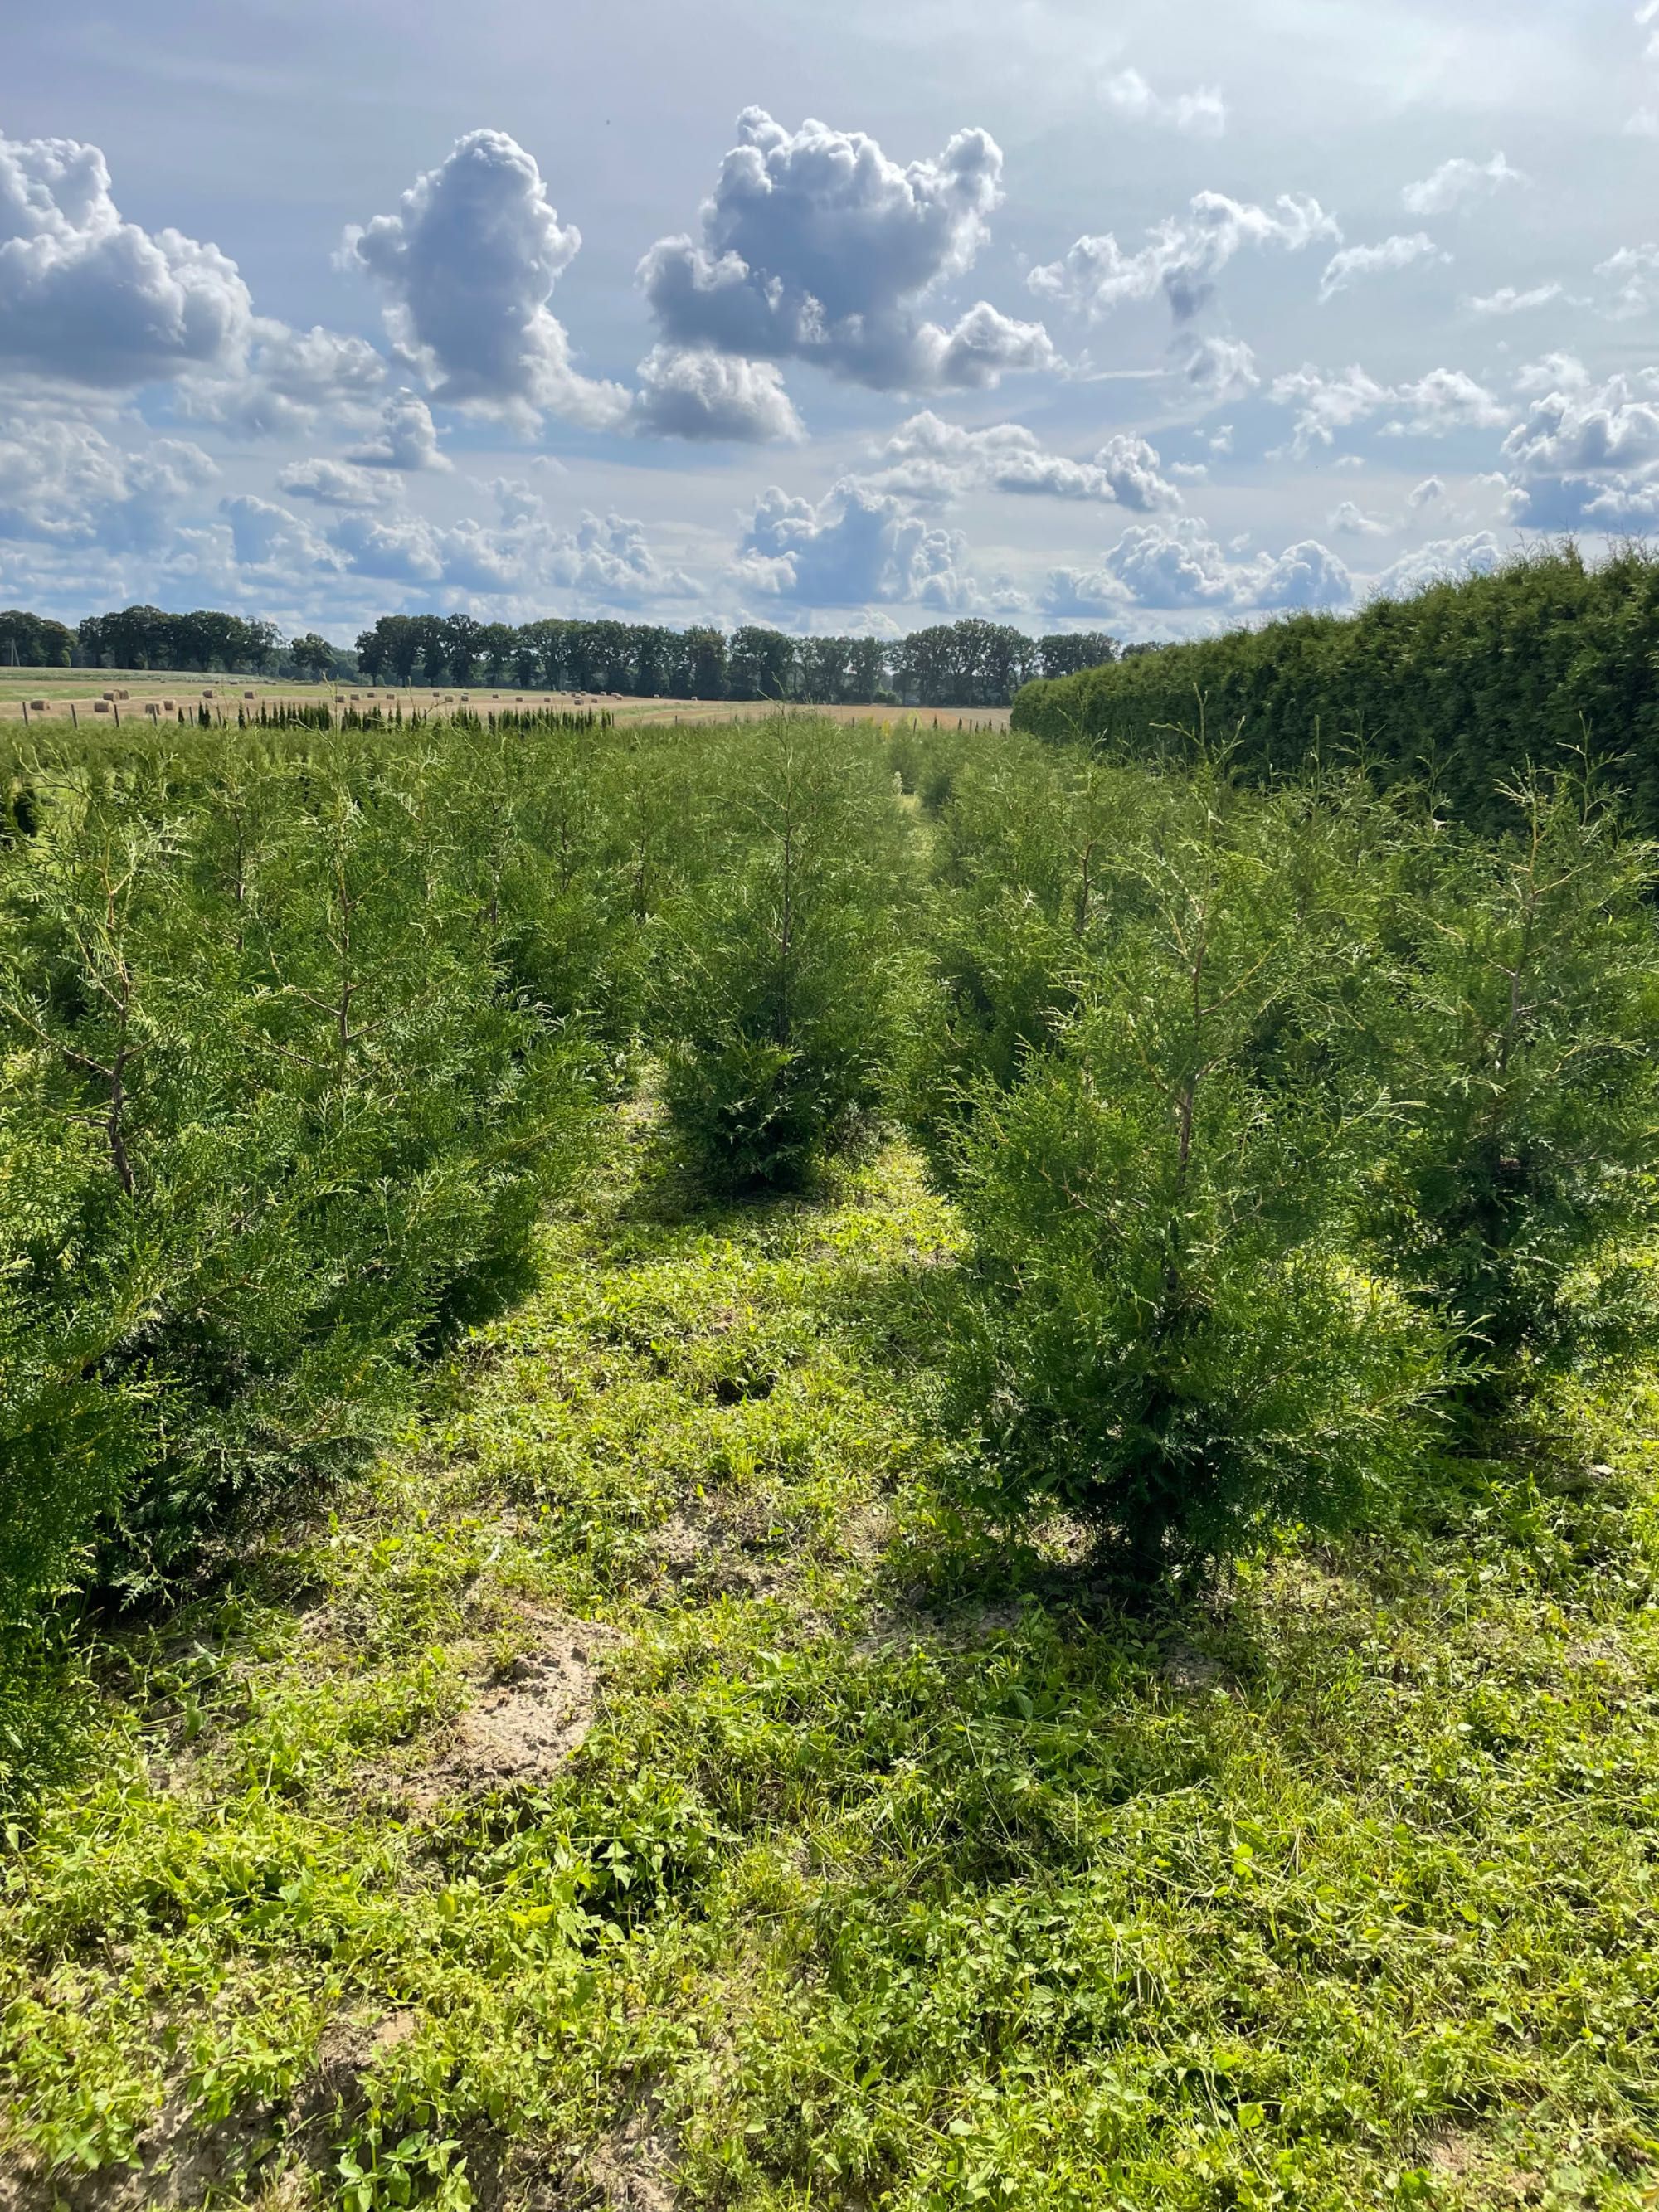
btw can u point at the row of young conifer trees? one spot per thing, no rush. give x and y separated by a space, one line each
300 1030
1299 1133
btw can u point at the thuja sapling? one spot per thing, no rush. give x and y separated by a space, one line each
1023 897
272 1122
1513 1024
778 990
1163 1335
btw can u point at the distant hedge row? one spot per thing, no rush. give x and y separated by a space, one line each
1459 689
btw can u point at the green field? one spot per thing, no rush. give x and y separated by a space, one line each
591 1654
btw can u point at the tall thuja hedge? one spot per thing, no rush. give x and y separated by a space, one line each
1460 688
276 1111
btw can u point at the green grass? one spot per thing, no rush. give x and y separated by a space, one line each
893 1871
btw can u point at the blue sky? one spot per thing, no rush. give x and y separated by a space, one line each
1149 317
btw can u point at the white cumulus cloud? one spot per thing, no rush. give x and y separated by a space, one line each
1178 565
288 384
1183 255
268 538
1327 402
1444 561
1350 520
1556 372
89 298
407 440
62 483
1585 458
696 392
468 263
857 546
336 483
607 560
1218 369
601 562
1634 272
929 459
1507 300
1445 400
1355 263
816 247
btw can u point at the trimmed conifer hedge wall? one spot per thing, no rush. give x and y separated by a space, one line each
1460 688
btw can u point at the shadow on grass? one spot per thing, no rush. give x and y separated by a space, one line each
1507 1511
51 1727
673 1187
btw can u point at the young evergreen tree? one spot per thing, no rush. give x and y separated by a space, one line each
81 1026
1024 893
1162 1333
778 991
1513 1021
270 1124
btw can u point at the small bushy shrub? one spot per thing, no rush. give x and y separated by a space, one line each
1023 896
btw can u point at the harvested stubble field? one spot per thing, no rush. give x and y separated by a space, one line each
44 696
648 1764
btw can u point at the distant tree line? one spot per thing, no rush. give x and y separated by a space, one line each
971 663
145 637
34 641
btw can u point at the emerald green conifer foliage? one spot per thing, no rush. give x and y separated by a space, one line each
779 990
274 1113
1457 690
1165 1334
1511 1015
